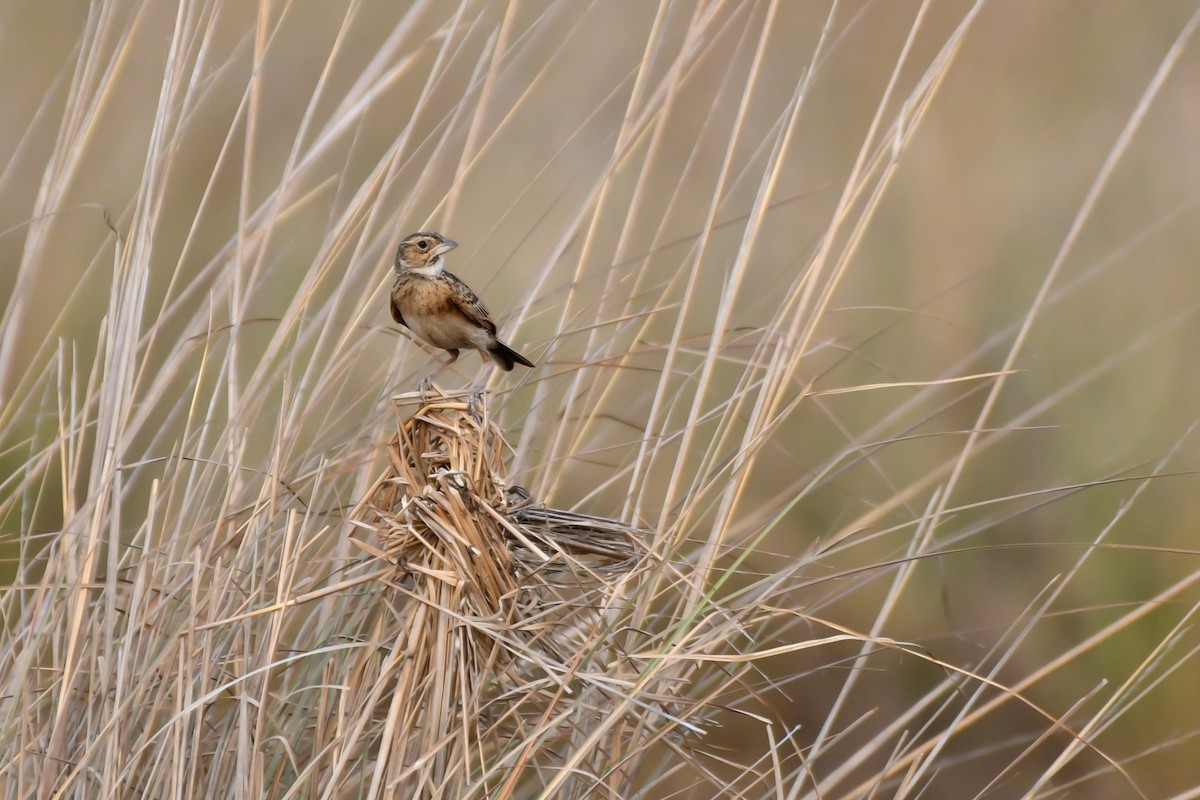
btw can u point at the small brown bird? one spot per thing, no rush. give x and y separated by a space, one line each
439 308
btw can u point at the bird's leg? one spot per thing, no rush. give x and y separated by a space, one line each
427 382
475 401
477 392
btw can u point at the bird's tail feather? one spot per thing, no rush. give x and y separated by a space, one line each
506 357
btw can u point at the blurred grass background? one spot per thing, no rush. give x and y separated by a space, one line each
515 128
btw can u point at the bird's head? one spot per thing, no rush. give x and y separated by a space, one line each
422 252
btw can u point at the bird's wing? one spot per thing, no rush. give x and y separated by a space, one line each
469 304
396 315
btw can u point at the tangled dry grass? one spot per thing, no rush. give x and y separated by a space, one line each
495 602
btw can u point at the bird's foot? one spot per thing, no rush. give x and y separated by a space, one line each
476 400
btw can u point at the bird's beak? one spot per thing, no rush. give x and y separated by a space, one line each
445 247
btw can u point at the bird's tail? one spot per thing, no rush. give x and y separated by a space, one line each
506 357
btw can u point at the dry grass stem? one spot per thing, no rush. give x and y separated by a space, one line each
858 460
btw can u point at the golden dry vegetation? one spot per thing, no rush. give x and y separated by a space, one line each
872 323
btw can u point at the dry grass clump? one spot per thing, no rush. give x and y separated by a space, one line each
494 596
447 478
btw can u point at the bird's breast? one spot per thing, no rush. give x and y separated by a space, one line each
428 308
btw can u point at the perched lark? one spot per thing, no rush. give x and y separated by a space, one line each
439 308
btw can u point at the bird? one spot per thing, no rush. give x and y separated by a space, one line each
439 308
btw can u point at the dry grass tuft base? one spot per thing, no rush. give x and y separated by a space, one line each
495 595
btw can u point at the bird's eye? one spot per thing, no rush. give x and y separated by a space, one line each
423 244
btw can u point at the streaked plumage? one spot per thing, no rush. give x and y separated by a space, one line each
439 308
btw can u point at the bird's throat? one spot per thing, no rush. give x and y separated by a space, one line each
434 268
